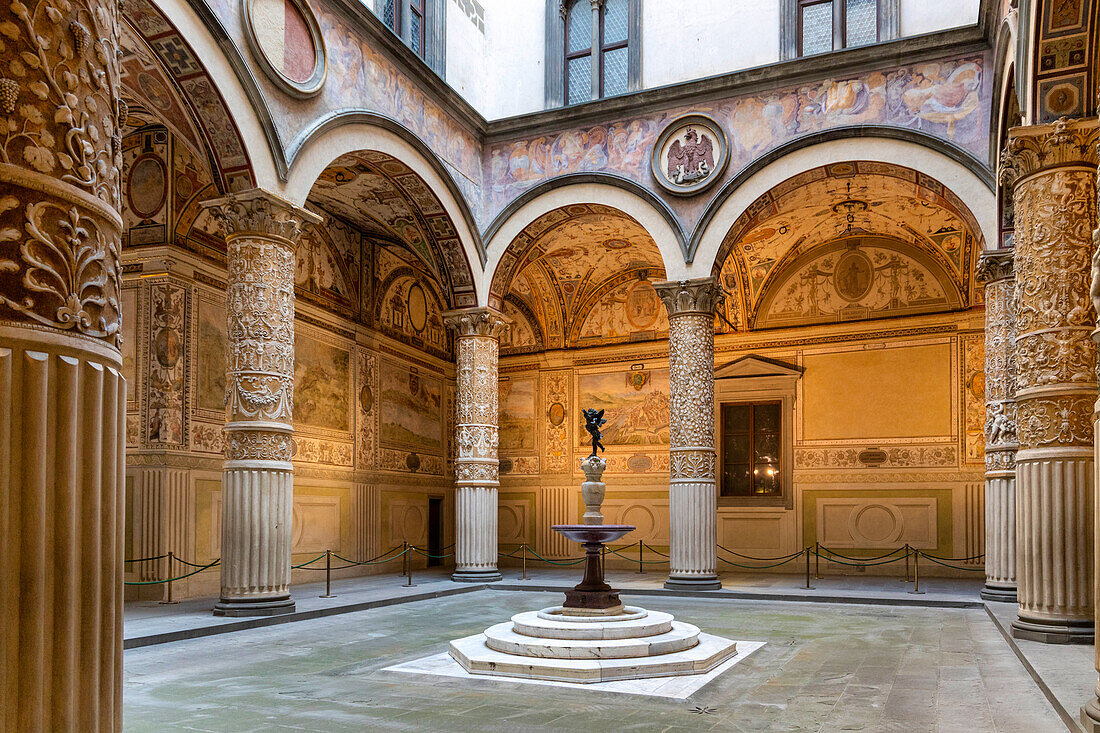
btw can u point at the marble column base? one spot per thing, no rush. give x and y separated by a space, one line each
1000 594
693 582
476 576
1090 716
1054 631
257 607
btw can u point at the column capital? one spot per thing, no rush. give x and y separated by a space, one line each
994 265
682 297
257 211
1035 148
476 322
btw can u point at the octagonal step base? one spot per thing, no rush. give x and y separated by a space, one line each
502 638
633 625
477 658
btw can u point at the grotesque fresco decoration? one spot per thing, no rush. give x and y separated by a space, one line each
387 201
409 305
690 155
411 409
842 202
166 364
210 359
974 417
322 384
327 265
1063 80
635 404
938 97
856 279
580 272
129 301
517 415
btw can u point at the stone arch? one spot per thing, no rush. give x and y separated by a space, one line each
975 193
358 132
612 192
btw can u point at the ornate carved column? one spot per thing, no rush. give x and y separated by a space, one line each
62 398
1054 168
261 232
995 270
692 491
477 343
1090 711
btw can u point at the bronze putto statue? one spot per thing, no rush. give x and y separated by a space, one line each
593 419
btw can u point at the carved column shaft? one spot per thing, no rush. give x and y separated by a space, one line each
62 398
1090 711
995 269
693 494
477 343
1055 205
261 232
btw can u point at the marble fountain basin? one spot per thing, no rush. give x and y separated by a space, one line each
551 645
593 532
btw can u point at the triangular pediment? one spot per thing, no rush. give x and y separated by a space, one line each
757 366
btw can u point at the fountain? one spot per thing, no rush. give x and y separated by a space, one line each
592 636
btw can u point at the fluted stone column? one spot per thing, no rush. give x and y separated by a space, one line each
261 232
692 491
62 398
995 270
477 344
1054 167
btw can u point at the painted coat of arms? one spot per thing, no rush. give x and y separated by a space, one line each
690 155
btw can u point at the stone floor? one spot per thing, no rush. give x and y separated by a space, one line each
825 667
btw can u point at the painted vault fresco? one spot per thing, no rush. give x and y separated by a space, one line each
635 404
942 98
411 409
322 383
517 415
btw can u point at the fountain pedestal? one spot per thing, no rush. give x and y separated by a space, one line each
592 594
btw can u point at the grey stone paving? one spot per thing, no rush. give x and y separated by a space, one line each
825 668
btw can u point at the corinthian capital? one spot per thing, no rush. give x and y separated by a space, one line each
476 322
1039 147
682 297
258 212
994 265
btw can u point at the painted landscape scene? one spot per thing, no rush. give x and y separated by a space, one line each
322 382
517 415
636 414
411 410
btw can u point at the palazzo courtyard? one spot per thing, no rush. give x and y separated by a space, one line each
549 365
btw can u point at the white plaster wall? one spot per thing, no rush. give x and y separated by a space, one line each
683 41
467 46
513 66
926 16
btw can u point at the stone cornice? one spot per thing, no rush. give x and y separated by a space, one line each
259 212
1037 148
995 265
684 297
484 322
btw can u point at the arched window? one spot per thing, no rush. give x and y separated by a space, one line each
592 49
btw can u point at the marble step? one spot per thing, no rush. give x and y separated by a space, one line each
633 626
502 638
477 658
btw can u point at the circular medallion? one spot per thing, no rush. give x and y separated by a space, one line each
366 399
506 465
286 41
642 305
147 186
418 308
853 275
557 414
167 347
412 462
690 155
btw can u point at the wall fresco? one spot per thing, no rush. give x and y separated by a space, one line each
210 359
635 402
944 98
411 404
322 383
517 415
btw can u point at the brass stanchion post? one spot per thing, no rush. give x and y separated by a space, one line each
640 557
916 573
906 579
808 586
171 566
409 564
523 549
328 575
817 560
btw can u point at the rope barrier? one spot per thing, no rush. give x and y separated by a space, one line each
304 564
377 560
953 567
425 554
761 559
760 567
172 580
635 560
863 559
147 559
657 552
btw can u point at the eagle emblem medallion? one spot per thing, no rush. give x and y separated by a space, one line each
690 155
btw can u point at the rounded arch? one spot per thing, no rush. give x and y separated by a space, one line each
355 132
1005 92
976 192
633 201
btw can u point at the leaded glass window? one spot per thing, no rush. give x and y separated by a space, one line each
831 25
578 53
613 46
606 57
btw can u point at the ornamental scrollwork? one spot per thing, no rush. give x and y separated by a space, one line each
260 213
1062 142
690 296
1062 356
1055 421
692 464
60 93
476 322
691 380
477 472
1000 424
67 267
258 446
994 265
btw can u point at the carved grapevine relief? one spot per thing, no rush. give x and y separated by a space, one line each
477 345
